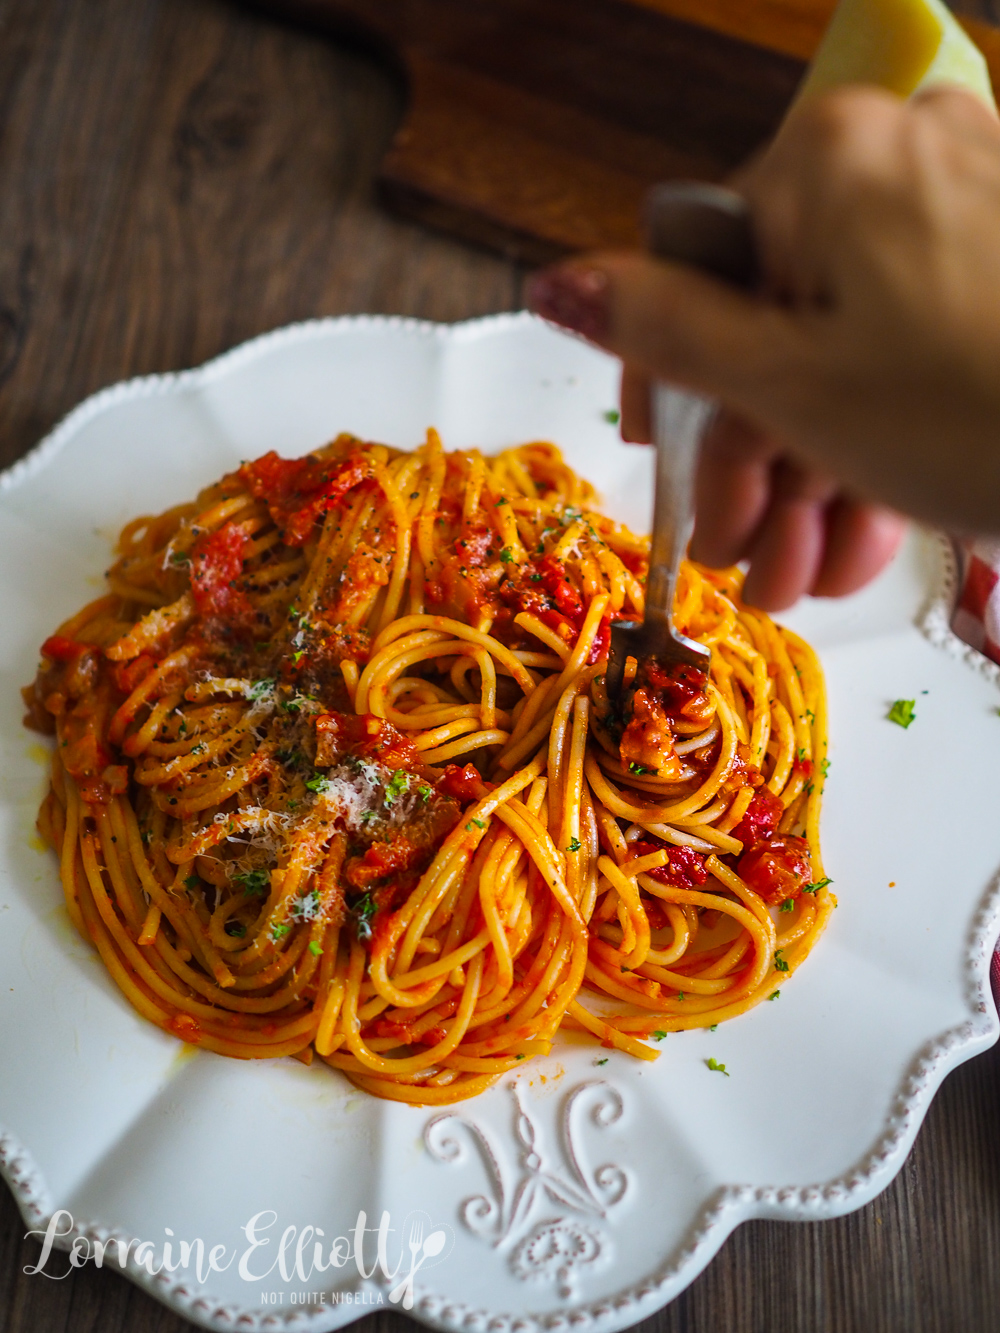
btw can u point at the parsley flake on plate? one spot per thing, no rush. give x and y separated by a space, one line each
902 712
716 1067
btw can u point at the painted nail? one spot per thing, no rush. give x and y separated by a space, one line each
577 298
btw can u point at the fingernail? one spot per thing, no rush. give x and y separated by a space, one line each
577 298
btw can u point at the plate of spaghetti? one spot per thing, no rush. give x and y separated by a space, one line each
355 859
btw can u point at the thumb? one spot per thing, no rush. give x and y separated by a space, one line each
675 323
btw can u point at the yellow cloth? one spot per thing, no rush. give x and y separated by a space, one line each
901 45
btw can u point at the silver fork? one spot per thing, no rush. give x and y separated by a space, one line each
707 226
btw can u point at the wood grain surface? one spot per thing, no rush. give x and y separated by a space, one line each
178 175
538 126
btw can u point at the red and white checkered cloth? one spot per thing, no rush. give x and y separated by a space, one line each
976 621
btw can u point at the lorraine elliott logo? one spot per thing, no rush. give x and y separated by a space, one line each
381 1254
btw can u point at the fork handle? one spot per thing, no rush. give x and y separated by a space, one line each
707 226
679 420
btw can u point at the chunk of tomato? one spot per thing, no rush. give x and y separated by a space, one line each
777 868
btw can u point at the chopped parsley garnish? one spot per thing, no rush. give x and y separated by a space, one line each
318 783
810 715
192 881
612 416
638 769
519 1057
601 1062
368 815
279 932
680 995
363 911
779 963
478 823
537 578
397 784
502 501
824 767
714 1027
574 845
774 995
819 884
658 1035
261 687
506 555
902 712
297 657
254 881
315 949
294 705
716 1067
424 792
788 905
236 928
180 558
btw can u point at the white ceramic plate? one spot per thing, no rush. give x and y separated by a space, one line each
592 1188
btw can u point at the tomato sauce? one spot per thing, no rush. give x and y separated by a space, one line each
300 491
686 868
542 588
680 689
775 865
647 741
366 737
760 819
216 564
777 868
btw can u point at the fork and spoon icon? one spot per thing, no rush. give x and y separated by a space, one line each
420 1249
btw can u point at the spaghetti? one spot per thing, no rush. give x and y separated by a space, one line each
336 774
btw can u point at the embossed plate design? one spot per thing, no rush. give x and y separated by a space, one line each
588 1190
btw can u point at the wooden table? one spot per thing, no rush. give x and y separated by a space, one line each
178 175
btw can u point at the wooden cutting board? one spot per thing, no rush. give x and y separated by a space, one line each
536 126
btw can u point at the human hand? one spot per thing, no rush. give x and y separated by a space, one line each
865 373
